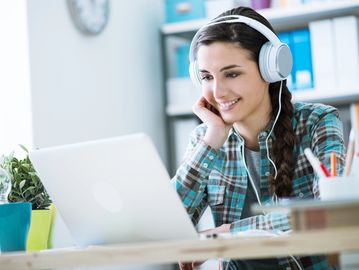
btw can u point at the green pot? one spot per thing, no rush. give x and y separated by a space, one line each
40 229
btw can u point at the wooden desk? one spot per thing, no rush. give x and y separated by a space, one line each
299 243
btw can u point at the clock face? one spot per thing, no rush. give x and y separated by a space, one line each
90 16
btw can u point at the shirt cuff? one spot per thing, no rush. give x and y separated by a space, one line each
202 159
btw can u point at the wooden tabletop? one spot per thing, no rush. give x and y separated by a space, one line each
296 243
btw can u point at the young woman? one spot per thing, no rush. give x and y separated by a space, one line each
250 146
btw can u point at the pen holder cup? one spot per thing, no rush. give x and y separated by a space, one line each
339 188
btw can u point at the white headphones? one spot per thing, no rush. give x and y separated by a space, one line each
275 58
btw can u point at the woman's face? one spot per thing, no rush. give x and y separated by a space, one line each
232 83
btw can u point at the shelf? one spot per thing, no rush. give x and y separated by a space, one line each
333 97
179 110
281 18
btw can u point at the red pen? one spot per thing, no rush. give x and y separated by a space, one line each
318 167
324 169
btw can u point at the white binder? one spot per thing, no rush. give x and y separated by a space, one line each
323 55
346 44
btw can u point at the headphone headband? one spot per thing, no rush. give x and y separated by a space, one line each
275 58
261 28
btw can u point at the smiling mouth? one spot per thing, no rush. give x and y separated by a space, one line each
225 106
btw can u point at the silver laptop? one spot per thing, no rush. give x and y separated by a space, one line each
113 190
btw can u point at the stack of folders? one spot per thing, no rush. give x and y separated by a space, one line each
323 215
335 54
316 214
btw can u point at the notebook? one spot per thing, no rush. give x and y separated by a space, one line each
113 190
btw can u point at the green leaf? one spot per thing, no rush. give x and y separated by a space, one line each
22 184
30 189
25 167
17 177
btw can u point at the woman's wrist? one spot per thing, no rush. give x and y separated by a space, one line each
225 228
215 138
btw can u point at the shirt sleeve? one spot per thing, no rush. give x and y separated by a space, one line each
191 178
271 222
327 137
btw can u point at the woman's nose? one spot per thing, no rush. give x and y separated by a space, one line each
218 89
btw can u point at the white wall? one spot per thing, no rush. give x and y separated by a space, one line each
15 110
86 87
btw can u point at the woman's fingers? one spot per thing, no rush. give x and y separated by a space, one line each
207 113
199 104
190 265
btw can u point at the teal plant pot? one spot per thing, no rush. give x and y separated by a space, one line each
14 226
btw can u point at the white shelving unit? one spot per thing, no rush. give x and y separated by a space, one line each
284 19
335 97
281 19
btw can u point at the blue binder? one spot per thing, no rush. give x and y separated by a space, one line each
303 76
182 53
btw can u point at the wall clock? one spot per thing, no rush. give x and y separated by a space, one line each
89 16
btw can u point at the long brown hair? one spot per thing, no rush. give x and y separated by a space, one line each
251 40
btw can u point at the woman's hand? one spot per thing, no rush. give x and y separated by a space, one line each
190 265
217 129
224 228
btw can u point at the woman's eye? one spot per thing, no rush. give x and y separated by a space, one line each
232 75
206 77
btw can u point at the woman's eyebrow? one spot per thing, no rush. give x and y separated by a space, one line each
222 69
229 67
203 70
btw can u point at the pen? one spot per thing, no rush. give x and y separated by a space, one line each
318 168
333 164
324 169
350 154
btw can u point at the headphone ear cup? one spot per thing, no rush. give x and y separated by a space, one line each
194 74
264 60
275 62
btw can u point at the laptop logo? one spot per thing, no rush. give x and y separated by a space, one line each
107 196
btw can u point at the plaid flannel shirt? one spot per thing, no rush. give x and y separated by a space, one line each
218 179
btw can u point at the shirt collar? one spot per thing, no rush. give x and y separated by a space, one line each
233 132
261 136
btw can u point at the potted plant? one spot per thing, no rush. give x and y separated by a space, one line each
27 187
